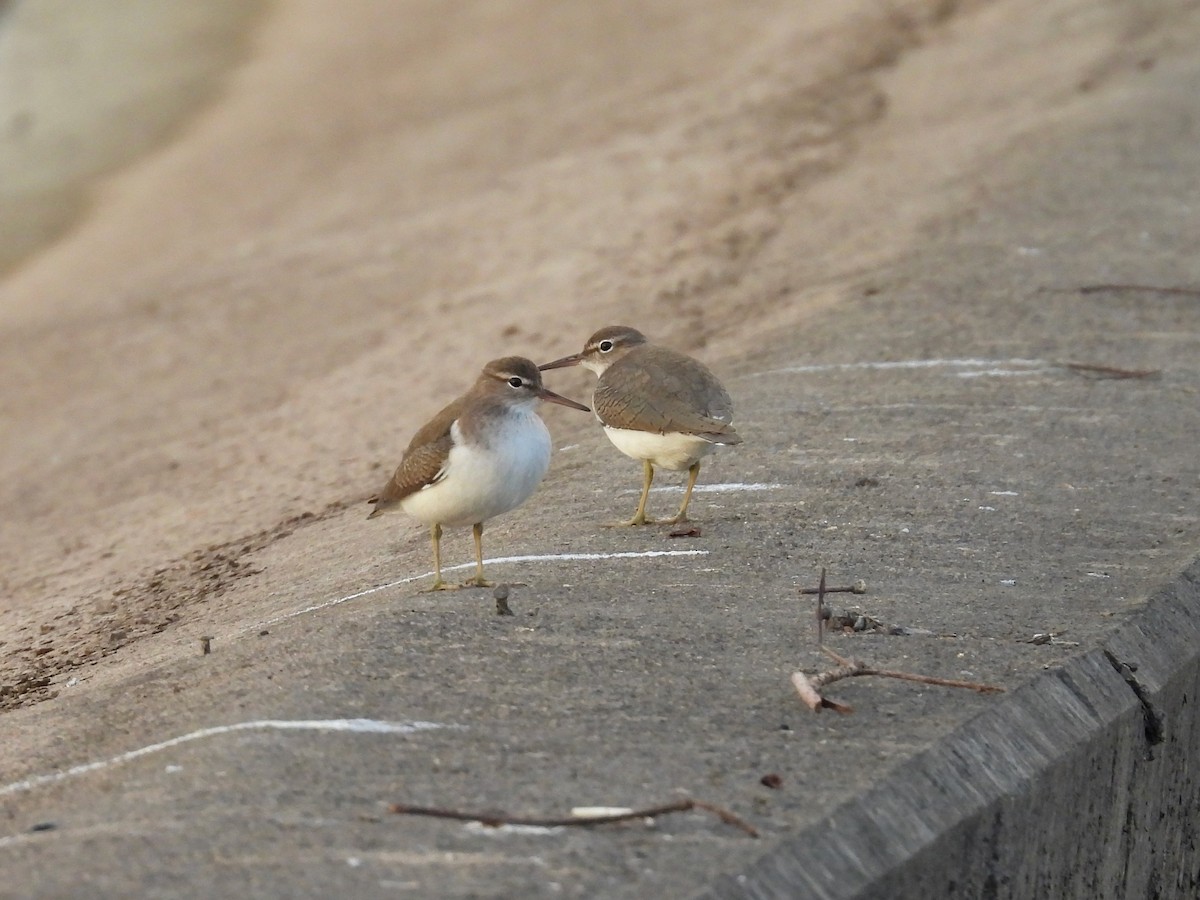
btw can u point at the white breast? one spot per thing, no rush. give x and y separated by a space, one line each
481 482
674 450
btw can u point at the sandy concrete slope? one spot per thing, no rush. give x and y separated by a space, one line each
276 298
251 321
85 88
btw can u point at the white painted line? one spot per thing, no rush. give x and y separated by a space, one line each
991 366
550 557
1006 408
1002 373
507 828
598 812
728 487
1004 493
355 726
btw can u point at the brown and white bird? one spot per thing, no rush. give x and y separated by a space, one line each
656 405
481 456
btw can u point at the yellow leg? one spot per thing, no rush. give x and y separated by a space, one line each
438 585
478 580
639 517
681 516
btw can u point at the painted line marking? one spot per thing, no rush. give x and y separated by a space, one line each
551 557
727 487
509 828
989 367
1002 373
353 726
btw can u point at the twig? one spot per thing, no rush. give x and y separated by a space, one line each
1048 637
813 700
1143 288
1110 371
821 608
859 587
496 819
807 686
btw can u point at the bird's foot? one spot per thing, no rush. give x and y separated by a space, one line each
440 585
477 581
636 520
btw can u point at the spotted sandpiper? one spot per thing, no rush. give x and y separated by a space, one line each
481 456
656 405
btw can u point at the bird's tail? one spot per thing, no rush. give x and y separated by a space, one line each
725 436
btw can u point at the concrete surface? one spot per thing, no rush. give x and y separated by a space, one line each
1082 784
923 433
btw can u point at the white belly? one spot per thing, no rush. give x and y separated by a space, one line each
483 482
668 451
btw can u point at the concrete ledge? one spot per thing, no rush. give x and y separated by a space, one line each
1082 784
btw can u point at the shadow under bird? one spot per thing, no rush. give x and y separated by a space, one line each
481 456
656 405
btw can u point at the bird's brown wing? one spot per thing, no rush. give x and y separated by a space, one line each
657 390
423 462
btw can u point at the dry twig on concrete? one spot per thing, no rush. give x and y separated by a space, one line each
1110 371
859 587
496 819
808 686
1139 288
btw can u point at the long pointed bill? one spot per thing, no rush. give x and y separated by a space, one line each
552 397
573 360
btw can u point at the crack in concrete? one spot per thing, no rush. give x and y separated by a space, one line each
1153 718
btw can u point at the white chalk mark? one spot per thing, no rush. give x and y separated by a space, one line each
354 726
1004 493
727 487
507 828
599 812
1099 575
1002 373
990 366
1006 409
550 557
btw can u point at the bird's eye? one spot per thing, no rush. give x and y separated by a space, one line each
515 381
606 346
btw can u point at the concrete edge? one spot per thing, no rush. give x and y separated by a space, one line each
1080 784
